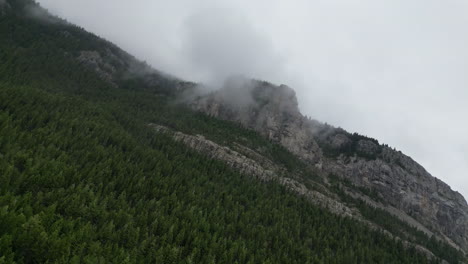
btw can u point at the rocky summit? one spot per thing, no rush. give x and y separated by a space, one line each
409 191
104 159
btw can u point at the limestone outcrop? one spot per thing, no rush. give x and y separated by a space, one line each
399 180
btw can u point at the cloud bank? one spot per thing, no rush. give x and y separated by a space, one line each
220 43
394 70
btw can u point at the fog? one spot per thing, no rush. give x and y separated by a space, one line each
393 70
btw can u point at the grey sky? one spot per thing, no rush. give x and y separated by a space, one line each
396 70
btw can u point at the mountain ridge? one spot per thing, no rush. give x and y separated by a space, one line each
282 122
122 96
360 159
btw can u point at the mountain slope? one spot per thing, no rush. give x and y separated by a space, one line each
85 178
392 176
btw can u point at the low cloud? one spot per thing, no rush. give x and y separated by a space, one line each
42 14
220 43
393 70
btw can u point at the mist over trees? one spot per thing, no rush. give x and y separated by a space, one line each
84 179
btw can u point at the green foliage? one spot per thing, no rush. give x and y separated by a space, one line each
80 184
84 179
325 136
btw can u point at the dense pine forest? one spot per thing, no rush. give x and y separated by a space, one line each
84 179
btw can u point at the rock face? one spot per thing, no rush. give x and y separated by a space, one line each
271 110
257 166
120 69
93 60
263 169
406 185
399 180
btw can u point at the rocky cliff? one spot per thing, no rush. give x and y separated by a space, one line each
251 163
395 178
271 110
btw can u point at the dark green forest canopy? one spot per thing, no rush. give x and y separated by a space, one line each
83 179
83 185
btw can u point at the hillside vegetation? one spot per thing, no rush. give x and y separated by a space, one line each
83 179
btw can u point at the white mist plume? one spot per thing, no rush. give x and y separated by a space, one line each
221 43
394 70
39 13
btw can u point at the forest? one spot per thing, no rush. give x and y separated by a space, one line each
83 179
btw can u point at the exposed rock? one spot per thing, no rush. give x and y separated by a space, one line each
391 210
367 147
233 158
259 167
271 110
319 199
400 181
406 186
339 140
265 170
118 68
93 60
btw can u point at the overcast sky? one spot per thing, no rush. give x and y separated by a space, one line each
395 70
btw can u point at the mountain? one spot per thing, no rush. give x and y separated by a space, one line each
104 159
409 191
